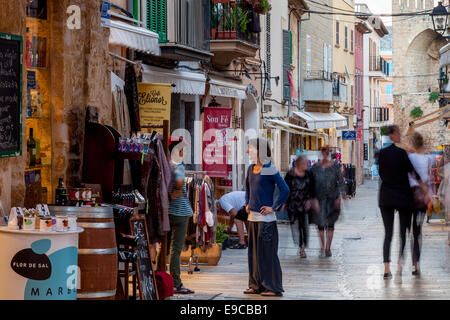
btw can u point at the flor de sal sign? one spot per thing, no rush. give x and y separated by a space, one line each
38 266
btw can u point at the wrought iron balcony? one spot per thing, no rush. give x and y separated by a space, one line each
235 30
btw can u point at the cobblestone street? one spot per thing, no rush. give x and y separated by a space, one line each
354 272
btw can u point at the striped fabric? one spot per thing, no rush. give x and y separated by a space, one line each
180 206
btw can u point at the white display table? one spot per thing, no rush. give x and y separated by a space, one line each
38 265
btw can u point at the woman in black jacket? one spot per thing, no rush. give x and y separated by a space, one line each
395 194
300 182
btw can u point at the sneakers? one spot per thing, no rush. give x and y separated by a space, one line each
322 253
328 254
387 276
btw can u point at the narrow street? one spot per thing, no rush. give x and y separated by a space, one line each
355 270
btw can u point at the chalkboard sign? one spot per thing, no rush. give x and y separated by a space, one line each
10 95
145 273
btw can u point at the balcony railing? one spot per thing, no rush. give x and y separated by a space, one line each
318 75
377 63
379 115
191 23
233 20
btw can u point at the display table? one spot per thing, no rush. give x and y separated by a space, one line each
38 265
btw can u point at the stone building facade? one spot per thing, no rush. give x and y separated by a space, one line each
78 78
416 69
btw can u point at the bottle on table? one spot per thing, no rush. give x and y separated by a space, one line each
31 149
61 195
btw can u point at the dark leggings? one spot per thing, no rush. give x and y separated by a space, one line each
405 224
418 217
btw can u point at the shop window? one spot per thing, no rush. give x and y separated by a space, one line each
38 173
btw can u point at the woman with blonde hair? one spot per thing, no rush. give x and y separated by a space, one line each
421 163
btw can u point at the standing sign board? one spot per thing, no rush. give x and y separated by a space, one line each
145 273
349 135
10 95
105 14
154 103
215 124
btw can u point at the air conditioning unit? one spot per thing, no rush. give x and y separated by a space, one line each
267 108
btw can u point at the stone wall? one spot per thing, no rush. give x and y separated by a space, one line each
416 69
12 187
79 77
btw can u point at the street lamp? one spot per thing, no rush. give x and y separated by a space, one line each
439 15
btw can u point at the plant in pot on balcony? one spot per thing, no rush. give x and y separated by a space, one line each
262 6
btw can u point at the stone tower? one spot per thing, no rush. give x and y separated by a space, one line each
415 52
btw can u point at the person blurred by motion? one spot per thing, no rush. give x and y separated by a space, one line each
265 275
233 203
422 163
301 184
179 213
395 194
329 187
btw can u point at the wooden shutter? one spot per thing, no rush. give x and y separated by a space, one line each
346 37
325 57
157 18
286 64
337 32
329 60
351 40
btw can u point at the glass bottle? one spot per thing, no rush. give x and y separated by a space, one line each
61 195
31 148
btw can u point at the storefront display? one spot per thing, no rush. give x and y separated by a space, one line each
38 107
39 256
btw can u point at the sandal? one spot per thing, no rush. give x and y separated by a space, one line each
238 246
271 294
251 291
182 290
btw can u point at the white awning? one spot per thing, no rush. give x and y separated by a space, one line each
136 38
186 82
227 89
319 120
292 128
445 55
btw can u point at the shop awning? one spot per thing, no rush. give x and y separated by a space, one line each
292 128
220 88
186 82
445 55
319 120
136 38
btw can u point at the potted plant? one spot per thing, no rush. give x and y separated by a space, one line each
221 236
434 95
417 112
262 6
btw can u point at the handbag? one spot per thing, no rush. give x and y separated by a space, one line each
419 198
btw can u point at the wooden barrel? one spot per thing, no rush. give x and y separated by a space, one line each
97 253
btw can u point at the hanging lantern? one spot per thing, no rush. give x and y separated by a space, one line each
439 15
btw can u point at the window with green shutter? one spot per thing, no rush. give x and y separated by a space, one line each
157 18
286 64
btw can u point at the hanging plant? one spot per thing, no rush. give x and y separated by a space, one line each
417 112
262 7
383 131
434 95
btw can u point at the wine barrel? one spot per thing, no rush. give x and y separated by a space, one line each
97 253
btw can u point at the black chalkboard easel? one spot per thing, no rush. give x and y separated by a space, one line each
145 272
10 95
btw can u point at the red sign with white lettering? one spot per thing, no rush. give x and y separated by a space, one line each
215 124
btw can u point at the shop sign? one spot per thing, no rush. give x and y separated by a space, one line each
358 135
46 276
215 124
105 15
349 135
154 103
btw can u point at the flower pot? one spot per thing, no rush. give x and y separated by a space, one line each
211 256
224 35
